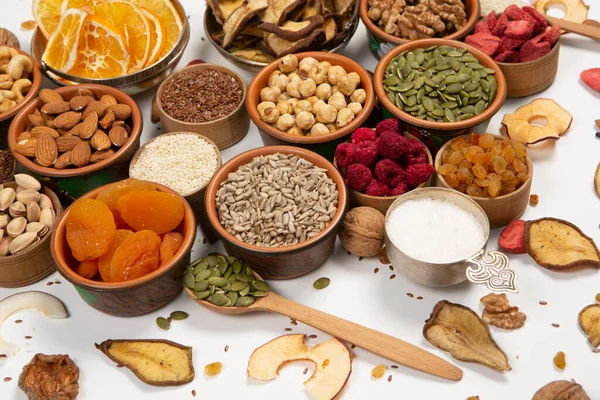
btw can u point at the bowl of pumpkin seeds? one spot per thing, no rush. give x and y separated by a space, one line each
439 87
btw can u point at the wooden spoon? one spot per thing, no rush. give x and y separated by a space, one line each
588 29
376 342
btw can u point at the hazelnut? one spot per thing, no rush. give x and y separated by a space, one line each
284 96
362 231
344 117
323 91
293 88
337 100
294 130
268 112
349 83
288 63
278 81
305 66
327 114
356 108
318 129
312 100
284 107
335 73
318 104
359 96
302 105
319 72
285 122
294 77
305 120
270 94
307 87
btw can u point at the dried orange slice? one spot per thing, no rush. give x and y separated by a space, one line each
157 37
61 50
169 18
134 27
66 4
102 51
47 14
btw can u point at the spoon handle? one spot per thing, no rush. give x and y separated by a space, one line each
587 30
376 342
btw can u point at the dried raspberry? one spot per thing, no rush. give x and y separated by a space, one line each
363 135
365 153
512 238
358 177
392 145
376 188
419 157
388 125
344 154
387 170
418 173
400 188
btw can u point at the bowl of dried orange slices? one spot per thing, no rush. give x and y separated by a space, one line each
131 45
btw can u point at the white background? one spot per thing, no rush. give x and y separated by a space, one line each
563 179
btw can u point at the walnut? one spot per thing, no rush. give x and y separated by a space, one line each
362 231
50 378
421 23
451 11
499 313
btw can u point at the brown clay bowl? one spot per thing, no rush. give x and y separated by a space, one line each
78 181
287 261
325 144
502 209
381 42
434 134
137 296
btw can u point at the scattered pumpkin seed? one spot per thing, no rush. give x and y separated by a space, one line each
321 283
163 323
179 315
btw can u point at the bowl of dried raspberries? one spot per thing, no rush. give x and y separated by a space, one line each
380 164
391 23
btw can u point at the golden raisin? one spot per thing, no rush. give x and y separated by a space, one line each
534 199
492 176
474 191
90 229
494 187
456 157
106 258
378 371
479 171
87 269
474 139
138 255
522 176
520 148
462 174
509 154
452 180
458 143
169 246
157 211
471 151
112 193
213 369
508 175
481 182
598 297
499 164
445 169
486 141
559 360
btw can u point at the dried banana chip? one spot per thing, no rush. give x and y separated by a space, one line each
458 330
559 245
282 47
589 320
291 30
238 20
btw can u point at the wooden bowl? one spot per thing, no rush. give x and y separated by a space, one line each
196 198
77 181
325 144
434 134
225 131
287 261
380 43
35 263
137 296
382 204
502 209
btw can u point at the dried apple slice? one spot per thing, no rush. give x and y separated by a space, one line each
155 362
575 10
238 20
559 245
589 320
597 180
332 359
458 330
518 124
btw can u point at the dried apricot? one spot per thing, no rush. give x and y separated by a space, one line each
137 256
157 211
171 242
90 229
106 258
112 193
87 269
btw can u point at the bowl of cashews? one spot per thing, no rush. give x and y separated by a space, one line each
20 81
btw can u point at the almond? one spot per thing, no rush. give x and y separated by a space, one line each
56 107
23 136
38 130
27 147
67 120
108 100
81 154
46 151
48 120
63 161
86 129
118 136
36 119
78 103
108 119
85 92
50 96
67 143
121 111
101 155
95 106
63 132
100 141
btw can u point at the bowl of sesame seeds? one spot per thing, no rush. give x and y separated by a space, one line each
207 99
184 162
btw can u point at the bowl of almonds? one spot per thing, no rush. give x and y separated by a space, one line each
80 137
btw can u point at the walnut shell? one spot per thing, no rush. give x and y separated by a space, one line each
7 38
50 377
561 390
362 231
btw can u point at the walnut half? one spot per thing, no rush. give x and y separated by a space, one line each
50 377
499 313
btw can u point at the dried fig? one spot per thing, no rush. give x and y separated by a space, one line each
50 378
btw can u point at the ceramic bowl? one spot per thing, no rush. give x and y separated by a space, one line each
325 144
130 298
287 261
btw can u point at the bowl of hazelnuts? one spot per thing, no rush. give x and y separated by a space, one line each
313 100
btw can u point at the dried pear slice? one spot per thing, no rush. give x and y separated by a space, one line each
313 8
278 10
253 31
155 362
282 47
589 320
561 390
343 7
458 330
518 124
597 180
252 55
222 9
291 30
330 28
559 245
238 20
327 7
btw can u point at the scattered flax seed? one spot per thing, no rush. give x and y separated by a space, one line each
7 379
391 267
517 356
593 351
287 329
378 371
392 276
383 257
28 337
394 366
543 303
556 325
353 346
312 337
305 371
18 321
119 365
534 199
376 270
360 258
293 322
389 378
49 283
28 25
3 356
169 319
57 282
226 348
420 298
410 295
193 393
349 253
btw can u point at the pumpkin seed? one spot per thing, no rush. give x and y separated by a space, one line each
203 295
228 272
261 286
201 266
237 267
201 286
245 291
202 276
212 260
321 283
238 286
450 115
188 279
214 273
219 299
179 315
246 278
218 282
259 294
244 301
233 297
163 323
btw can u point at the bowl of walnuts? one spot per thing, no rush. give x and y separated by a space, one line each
313 100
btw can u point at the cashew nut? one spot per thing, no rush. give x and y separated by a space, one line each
4 55
6 94
20 88
19 66
13 52
7 105
6 81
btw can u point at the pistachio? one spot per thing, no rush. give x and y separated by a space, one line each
16 227
45 202
37 227
33 211
28 182
1 234
7 196
47 217
17 209
25 196
22 242
4 245
4 220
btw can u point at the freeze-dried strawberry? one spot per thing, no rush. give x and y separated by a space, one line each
515 13
509 56
500 26
490 20
591 77
532 51
507 43
512 238
485 42
482 27
519 29
539 18
551 34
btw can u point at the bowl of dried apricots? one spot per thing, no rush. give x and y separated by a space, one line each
124 246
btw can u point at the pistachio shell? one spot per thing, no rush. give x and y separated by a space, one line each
37 227
4 220
17 209
47 217
27 182
7 196
4 245
16 227
1 234
22 242
33 212
45 202
25 196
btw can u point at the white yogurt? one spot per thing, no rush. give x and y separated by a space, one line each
434 231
